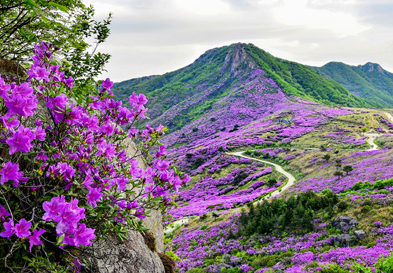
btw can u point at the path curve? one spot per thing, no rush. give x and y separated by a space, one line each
290 182
389 116
370 140
291 178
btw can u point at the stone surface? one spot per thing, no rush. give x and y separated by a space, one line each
220 266
114 256
154 223
345 223
13 70
235 261
343 240
360 234
132 256
344 218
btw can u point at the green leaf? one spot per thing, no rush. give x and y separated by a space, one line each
26 258
60 7
60 239
31 3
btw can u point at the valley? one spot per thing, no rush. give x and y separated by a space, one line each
277 155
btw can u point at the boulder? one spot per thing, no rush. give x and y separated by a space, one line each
345 218
344 227
132 255
344 223
235 261
221 266
226 257
360 234
342 239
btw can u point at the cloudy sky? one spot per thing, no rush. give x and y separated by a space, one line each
150 37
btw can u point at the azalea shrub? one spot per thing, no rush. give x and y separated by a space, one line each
66 178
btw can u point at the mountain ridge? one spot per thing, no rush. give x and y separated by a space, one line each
221 77
369 81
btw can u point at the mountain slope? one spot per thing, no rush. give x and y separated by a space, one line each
229 86
369 81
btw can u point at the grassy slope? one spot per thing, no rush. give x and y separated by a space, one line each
300 80
210 71
373 85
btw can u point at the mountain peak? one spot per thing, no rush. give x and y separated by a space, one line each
237 56
370 67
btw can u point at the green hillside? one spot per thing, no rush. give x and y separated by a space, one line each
299 80
221 77
369 81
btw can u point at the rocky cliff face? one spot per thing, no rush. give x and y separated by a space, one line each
136 255
12 70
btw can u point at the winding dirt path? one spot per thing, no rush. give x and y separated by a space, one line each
370 140
291 178
389 116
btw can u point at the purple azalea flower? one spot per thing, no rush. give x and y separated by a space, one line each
39 133
20 105
58 105
25 90
137 101
9 229
69 81
107 84
9 123
93 196
83 236
3 212
106 149
39 73
35 238
53 208
121 183
4 89
10 171
22 229
134 170
21 140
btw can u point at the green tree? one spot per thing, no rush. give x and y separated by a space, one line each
67 24
326 157
338 174
347 169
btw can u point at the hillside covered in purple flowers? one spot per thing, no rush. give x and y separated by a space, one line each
289 171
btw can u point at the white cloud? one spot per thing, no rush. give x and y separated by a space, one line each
157 36
202 7
297 13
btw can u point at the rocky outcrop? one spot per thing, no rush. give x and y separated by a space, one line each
113 255
239 56
137 254
12 70
346 224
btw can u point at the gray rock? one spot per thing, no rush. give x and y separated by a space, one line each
345 218
132 255
226 257
235 261
220 266
353 223
344 227
343 240
360 234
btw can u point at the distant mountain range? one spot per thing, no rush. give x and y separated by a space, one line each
233 86
369 81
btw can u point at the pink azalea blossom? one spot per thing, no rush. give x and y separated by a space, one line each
35 238
22 228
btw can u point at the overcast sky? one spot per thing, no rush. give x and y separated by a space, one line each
150 37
